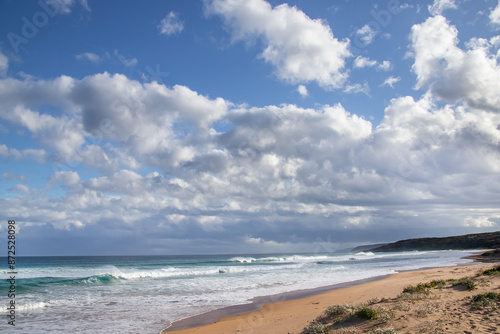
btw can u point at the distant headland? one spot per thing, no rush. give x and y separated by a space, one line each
490 240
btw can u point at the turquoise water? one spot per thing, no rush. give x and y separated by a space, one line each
144 294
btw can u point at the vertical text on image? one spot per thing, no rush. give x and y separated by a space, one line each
11 262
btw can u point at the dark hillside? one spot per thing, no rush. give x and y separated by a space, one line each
469 241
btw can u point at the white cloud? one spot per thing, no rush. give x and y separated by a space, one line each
390 81
21 188
439 6
281 164
300 48
358 88
14 177
450 73
68 179
302 90
38 155
103 108
495 41
92 57
171 24
480 222
4 64
495 15
61 134
385 65
95 58
361 62
4 150
366 34
260 242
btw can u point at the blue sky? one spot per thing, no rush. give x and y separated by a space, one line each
223 126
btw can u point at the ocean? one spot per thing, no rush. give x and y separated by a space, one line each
144 294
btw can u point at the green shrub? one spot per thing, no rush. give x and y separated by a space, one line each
344 310
421 287
414 289
467 282
495 270
438 283
385 315
316 328
367 313
484 300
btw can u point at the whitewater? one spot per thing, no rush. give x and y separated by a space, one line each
145 294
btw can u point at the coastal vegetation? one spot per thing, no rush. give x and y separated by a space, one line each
481 301
494 270
438 306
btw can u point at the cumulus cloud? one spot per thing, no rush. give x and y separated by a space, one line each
366 34
104 108
63 135
495 15
38 155
479 222
439 6
301 49
361 62
358 88
65 178
276 176
14 177
390 81
21 188
302 90
452 74
385 65
171 24
281 164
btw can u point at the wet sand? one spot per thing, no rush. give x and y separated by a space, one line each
290 313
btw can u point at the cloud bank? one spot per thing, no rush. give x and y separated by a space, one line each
177 170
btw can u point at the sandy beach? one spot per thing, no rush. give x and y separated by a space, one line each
445 309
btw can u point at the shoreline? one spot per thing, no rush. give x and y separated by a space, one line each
257 303
290 312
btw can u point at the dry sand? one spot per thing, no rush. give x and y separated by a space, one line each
445 310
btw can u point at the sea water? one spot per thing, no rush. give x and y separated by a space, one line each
144 294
